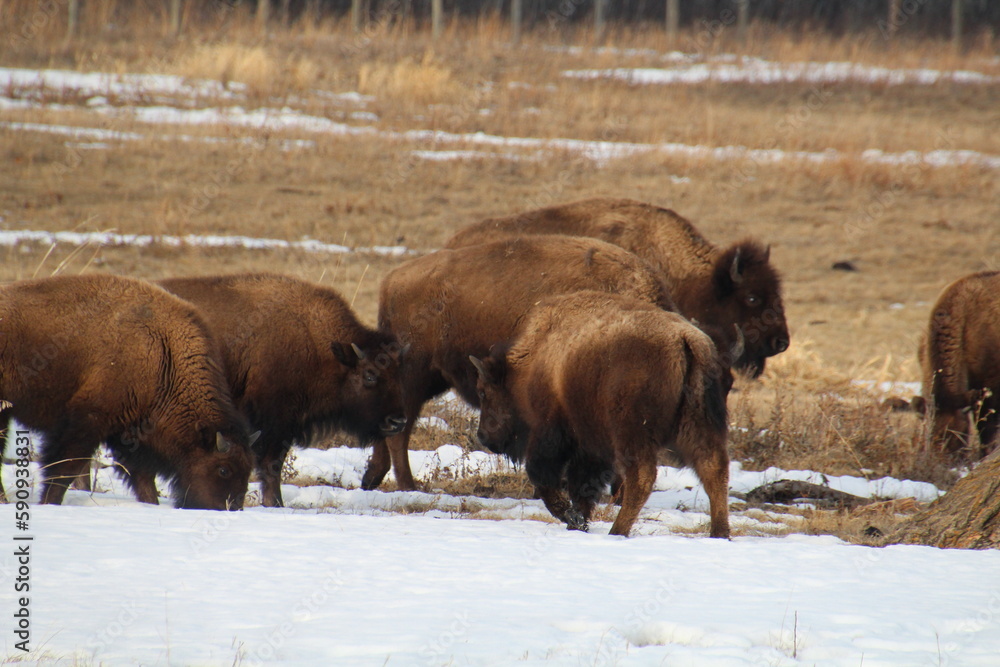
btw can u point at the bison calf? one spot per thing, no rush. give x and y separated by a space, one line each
86 359
716 287
960 358
591 389
298 363
455 303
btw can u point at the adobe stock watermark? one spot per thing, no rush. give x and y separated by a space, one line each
22 540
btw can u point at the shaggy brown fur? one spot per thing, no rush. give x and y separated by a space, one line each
593 386
712 286
453 303
960 358
86 359
289 357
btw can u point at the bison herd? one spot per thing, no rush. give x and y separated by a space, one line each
592 336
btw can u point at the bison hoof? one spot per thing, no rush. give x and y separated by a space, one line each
576 521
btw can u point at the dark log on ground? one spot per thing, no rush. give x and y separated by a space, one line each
967 517
786 492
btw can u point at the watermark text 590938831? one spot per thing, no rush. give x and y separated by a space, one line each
22 542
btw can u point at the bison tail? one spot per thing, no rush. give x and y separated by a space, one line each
703 421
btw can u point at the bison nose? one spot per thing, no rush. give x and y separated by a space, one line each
779 345
393 424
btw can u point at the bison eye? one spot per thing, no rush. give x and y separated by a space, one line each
752 300
224 472
370 378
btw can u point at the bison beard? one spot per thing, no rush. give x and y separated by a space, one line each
591 390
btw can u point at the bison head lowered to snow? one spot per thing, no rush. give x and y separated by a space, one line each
716 287
960 358
591 389
453 303
299 363
86 359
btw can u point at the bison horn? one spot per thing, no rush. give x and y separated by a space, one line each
221 443
358 351
253 438
406 348
740 345
734 269
480 367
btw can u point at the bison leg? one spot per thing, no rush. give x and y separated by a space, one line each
393 451
988 426
64 458
587 480
640 474
558 504
270 461
713 471
378 466
132 469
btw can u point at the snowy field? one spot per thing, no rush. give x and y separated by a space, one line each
169 103
348 577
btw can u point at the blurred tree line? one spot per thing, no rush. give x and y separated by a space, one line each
929 17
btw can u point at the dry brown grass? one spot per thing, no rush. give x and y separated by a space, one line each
909 230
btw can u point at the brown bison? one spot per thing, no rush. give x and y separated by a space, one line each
454 303
712 286
960 358
298 362
99 358
591 389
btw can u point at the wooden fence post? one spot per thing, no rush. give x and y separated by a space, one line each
73 18
175 17
515 21
956 24
742 19
599 18
673 20
437 18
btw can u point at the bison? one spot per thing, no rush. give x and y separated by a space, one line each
454 303
591 389
960 359
99 358
712 286
298 363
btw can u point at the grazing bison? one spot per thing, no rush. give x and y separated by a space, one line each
712 286
86 359
455 303
298 363
592 387
960 358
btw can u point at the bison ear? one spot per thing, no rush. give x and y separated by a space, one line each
346 357
221 444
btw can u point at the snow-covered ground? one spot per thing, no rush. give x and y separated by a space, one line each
131 584
20 237
758 71
170 102
350 577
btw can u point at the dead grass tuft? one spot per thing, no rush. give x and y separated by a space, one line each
261 69
409 81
